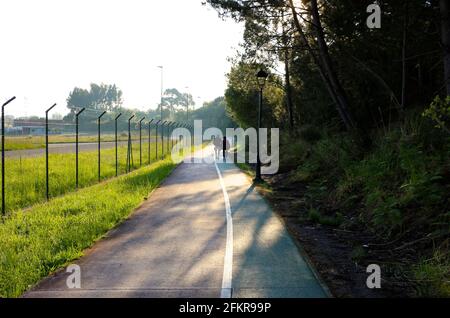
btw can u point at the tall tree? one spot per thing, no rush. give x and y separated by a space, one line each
445 33
174 101
99 97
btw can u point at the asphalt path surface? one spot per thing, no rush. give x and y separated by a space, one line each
205 232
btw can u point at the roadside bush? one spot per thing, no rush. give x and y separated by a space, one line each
433 275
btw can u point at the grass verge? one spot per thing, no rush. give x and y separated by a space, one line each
25 177
38 142
38 241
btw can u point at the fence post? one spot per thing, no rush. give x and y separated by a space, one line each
117 155
3 154
149 140
157 139
99 143
191 128
168 136
178 137
171 134
76 144
47 190
169 150
162 138
140 141
130 146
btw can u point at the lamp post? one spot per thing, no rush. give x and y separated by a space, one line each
162 90
3 154
117 155
261 77
46 151
99 143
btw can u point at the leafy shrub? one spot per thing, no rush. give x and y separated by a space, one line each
439 112
433 275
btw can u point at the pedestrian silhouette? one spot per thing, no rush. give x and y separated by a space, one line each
217 147
225 147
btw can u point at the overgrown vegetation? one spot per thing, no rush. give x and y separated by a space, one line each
38 241
397 191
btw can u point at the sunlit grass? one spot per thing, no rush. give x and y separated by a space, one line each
38 241
37 142
25 177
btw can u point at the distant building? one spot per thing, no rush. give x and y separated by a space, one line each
33 126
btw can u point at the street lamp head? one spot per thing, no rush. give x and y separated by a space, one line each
262 77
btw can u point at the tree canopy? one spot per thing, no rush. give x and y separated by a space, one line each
98 97
333 68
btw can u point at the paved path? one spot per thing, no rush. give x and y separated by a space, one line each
174 245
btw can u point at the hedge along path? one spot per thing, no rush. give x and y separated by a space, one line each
37 241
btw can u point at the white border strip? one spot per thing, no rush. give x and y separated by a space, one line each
228 263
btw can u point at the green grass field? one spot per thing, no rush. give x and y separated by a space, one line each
37 142
25 178
46 237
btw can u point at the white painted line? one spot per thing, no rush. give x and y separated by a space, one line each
228 263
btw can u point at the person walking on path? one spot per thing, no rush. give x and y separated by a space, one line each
225 147
217 146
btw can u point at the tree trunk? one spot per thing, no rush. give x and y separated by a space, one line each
405 34
287 79
287 76
328 66
322 72
445 24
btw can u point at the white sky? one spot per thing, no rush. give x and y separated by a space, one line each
50 46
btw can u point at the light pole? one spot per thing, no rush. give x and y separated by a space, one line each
162 90
262 77
3 154
46 151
